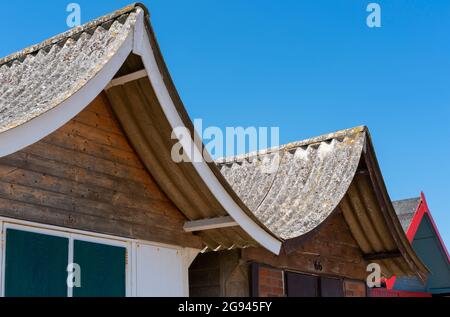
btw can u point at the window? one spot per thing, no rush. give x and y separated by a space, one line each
34 259
331 287
102 269
35 264
304 285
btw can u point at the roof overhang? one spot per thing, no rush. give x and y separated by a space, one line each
317 178
424 211
373 221
370 216
149 108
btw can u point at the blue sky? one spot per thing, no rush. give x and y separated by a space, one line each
309 67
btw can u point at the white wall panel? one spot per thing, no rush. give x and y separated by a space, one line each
153 269
160 271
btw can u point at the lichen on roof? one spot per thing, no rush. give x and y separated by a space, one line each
405 210
293 188
37 79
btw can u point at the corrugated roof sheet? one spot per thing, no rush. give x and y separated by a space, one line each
39 78
294 188
405 210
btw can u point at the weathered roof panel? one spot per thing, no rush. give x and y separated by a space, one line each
291 189
405 210
294 188
44 86
41 77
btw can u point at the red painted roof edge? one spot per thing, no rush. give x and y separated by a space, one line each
430 217
382 292
422 209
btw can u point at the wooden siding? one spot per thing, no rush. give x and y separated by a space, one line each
86 176
332 251
219 274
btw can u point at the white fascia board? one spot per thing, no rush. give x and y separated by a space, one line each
36 129
189 255
208 224
144 49
127 78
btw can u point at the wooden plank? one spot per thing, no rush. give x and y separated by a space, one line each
208 224
122 80
96 135
382 255
80 144
87 176
87 161
99 121
78 190
57 217
333 246
49 199
100 105
69 172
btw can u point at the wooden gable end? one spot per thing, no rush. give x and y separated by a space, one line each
86 176
332 251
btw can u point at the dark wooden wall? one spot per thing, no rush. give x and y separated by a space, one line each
332 251
86 176
219 274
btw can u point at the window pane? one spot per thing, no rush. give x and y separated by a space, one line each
302 285
35 264
102 269
331 287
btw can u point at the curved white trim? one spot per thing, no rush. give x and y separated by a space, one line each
26 134
156 79
34 130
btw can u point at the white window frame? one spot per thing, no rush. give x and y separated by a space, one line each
129 244
71 235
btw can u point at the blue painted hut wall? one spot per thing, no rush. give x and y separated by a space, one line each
427 246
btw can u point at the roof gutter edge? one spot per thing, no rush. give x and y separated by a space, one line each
143 48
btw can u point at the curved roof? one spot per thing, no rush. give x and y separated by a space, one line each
295 188
46 85
405 210
40 78
411 212
283 194
424 236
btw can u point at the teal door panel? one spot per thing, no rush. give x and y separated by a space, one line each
35 264
102 270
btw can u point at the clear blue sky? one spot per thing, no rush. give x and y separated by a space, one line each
309 67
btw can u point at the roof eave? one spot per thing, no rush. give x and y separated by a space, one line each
178 117
414 262
421 211
141 41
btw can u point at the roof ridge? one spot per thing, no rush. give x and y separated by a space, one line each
21 55
293 145
407 199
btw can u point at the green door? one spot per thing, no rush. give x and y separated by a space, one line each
35 264
102 269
